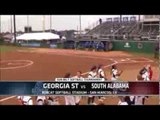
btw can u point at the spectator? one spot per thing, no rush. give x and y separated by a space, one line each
156 52
100 21
124 36
112 30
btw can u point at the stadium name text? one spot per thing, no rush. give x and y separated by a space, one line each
110 85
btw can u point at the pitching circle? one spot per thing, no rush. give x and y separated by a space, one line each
14 64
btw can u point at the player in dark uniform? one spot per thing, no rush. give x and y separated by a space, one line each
130 100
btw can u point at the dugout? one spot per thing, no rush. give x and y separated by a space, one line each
69 44
93 44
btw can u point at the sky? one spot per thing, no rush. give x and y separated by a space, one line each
59 22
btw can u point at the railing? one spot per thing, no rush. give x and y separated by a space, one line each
95 24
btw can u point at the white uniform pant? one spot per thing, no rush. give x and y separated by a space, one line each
113 78
77 99
51 102
40 102
70 100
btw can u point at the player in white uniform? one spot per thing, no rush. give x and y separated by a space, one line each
140 100
144 74
78 98
25 100
92 74
52 100
101 74
122 101
69 100
115 73
41 100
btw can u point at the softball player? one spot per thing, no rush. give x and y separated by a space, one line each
150 72
52 100
144 74
78 98
140 100
122 101
101 74
92 74
41 100
115 73
25 100
69 100
130 100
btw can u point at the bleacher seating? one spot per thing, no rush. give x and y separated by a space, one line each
131 30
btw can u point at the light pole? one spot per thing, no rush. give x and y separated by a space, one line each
11 23
50 23
14 22
159 27
43 23
159 42
28 23
0 24
120 18
27 20
80 24
139 18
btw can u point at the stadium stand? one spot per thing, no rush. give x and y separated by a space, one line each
124 29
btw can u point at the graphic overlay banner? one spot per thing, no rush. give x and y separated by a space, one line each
79 88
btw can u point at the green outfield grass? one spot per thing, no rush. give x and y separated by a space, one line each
6 48
147 55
